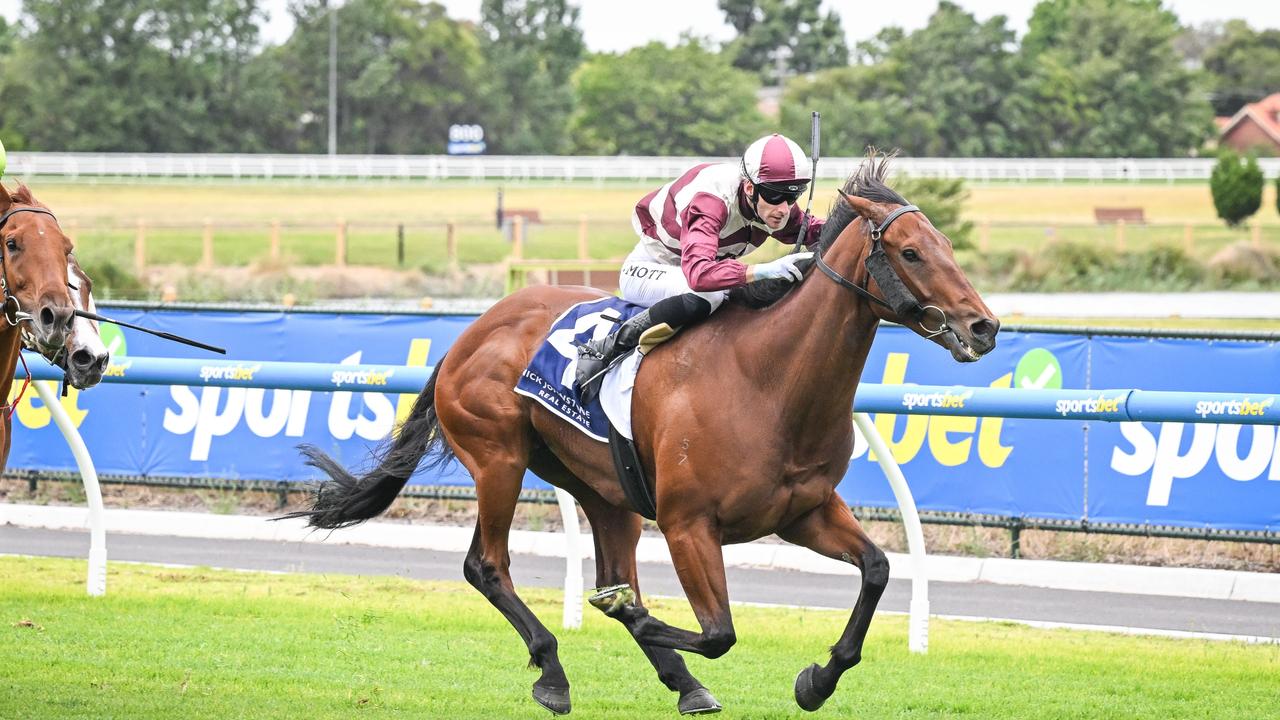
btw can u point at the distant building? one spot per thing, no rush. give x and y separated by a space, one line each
1254 128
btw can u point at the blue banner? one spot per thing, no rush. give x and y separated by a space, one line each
1222 473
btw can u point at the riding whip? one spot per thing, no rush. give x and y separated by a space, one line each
815 143
157 333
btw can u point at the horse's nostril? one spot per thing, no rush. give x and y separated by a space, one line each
46 316
983 328
101 363
82 358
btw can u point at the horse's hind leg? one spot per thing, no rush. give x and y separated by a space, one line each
498 481
832 530
616 532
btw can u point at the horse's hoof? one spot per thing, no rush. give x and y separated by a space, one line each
698 702
611 599
554 699
807 697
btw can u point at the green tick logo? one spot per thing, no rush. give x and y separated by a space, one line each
1038 370
113 337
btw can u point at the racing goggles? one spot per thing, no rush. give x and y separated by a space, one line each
781 193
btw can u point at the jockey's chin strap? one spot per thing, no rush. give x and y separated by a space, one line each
897 297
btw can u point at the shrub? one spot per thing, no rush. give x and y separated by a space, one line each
1163 267
942 200
113 281
1236 187
1243 264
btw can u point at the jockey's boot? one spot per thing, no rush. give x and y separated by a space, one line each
651 327
596 356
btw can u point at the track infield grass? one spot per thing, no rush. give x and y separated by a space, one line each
197 643
103 218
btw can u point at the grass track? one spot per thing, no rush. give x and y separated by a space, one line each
207 643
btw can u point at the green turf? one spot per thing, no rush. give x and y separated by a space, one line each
201 643
103 218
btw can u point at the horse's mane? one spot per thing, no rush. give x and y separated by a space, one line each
21 195
865 182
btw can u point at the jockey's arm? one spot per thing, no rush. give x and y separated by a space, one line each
699 244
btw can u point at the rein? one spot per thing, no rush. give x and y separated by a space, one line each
897 297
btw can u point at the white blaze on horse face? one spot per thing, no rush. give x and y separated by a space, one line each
84 332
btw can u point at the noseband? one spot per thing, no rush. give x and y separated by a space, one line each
12 309
897 297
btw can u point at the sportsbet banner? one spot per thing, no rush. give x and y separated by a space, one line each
1198 475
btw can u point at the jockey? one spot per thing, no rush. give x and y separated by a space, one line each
692 232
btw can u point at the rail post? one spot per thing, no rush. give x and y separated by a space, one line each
140 247
206 245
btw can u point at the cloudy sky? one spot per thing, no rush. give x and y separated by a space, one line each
611 25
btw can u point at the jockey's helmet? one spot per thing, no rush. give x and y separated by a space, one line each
777 167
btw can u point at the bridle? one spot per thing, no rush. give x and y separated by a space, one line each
12 310
897 297
11 307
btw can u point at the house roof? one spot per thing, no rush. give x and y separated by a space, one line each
1265 113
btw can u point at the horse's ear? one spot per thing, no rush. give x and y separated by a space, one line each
864 207
5 200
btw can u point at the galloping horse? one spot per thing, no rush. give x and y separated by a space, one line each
43 286
743 423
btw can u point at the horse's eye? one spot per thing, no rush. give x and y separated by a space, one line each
911 255
11 244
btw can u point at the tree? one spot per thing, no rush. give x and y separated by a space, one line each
1243 66
1102 78
531 49
1236 186
694 103
15 87
136 75
792 35
942 90
861 105
406 72
942 201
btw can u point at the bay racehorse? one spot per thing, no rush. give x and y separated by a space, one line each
743 424
42 285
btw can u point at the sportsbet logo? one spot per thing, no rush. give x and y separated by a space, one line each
117 369
948 399
364 378
954 439
1205 408
228 372
1100 404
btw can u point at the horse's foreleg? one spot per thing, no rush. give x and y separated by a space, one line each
699 564
616 532
487 566
832 530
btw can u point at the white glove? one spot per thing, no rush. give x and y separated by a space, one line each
783 268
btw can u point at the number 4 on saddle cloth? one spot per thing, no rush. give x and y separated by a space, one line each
549 379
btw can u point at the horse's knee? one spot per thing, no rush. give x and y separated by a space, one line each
875 567
716 642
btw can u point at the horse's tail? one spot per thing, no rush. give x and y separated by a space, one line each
345 500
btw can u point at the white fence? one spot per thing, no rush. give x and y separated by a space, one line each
567 168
